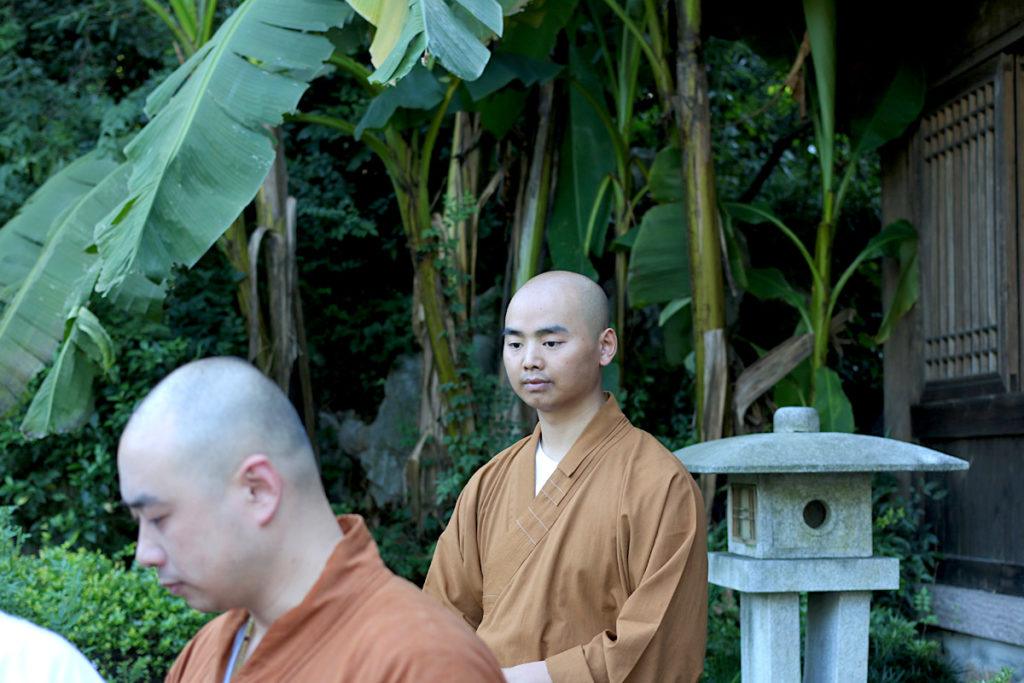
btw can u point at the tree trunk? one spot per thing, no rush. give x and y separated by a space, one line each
702 220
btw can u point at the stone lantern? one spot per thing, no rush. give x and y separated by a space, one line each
799 520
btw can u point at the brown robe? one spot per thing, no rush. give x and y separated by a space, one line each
603 574
359 622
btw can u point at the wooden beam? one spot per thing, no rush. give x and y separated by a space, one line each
976 613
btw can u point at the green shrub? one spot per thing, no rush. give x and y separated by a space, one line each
122 620
900 654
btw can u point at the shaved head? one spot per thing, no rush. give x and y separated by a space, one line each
211 414
574 290
556 340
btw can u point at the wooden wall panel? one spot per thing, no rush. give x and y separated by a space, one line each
980 522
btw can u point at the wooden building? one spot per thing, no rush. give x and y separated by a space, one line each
953 375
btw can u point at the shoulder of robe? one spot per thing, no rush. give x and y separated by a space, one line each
496 467
418 640
206 640
651 462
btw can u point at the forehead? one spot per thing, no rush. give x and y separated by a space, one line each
543 308
145 466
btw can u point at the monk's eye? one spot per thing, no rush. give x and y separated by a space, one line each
514 345
553 344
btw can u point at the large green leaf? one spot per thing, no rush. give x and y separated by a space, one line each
22 238
501 110
821 28
676 322
899 106
907 290
32 324
534 30
203 155
666 180
452 33
506 67
587 158
771 283
388 16
886 243
65 398
659 265
420 90
794 388
833 406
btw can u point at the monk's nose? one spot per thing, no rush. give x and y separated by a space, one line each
148 553
532 359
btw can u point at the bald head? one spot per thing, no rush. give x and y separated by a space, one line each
578 292
556 340
211 414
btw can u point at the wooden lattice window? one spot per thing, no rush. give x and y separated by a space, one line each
744 513
968 235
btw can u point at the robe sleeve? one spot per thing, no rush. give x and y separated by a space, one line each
661 629
455 576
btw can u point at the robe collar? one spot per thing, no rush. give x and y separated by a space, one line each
352 574
608 419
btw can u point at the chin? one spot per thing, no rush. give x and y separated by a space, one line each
202 604
539 403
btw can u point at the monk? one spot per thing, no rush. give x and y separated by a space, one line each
216 467
580 552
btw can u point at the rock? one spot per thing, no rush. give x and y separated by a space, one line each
383 446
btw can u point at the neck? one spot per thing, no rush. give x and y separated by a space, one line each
296 566
560 429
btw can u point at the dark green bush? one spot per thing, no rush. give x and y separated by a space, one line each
122 620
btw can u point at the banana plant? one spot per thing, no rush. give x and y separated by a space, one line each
602 180
406 144
201 159
189 21
898 107
660 273
183 180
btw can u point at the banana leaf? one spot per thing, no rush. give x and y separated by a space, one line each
659 265
23 237
61 279
65 398
452 33
203 155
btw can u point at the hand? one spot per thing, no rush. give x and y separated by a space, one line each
530 672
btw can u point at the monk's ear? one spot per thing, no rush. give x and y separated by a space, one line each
607 344
263 486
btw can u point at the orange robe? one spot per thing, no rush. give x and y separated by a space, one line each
359 622
603 574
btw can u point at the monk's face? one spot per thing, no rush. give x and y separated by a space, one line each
191 537
552 353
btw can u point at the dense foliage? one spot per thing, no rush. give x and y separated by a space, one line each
122 620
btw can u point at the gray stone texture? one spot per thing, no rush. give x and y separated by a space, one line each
820 452
795 419
837 637
770 637
754 575
383 446
781 528
799 516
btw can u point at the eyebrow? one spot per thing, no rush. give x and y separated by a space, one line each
551 329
